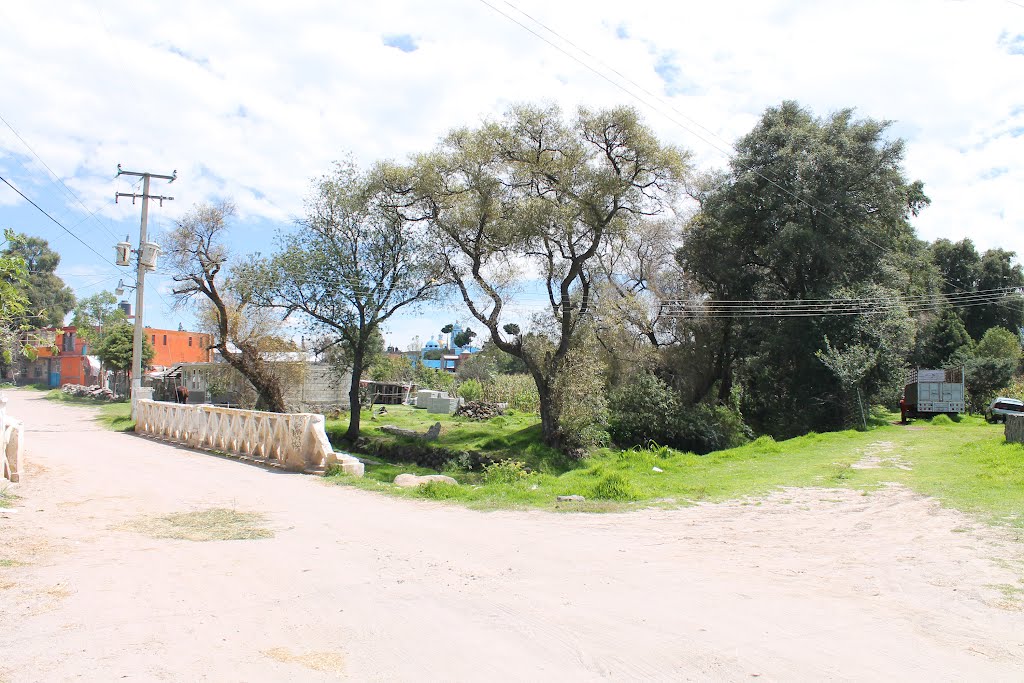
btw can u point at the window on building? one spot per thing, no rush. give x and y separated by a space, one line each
38 370
190 341
154 340
165 340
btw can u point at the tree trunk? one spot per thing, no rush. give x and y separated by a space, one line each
269 396
549 431
353 396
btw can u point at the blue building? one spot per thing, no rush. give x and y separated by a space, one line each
450 356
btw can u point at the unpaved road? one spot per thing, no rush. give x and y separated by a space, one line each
806 585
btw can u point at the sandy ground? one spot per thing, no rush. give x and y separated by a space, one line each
806 585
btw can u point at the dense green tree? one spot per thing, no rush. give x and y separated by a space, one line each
49 299
536 190
962 270
14 305
464 338
115 351
999 342
810 208
95 316
944 340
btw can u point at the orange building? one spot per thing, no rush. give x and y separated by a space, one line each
179 346
65 362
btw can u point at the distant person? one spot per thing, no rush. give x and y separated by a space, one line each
181 394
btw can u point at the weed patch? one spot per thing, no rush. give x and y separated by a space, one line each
439 490
614 486
215 524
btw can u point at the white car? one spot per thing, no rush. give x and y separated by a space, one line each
1001 407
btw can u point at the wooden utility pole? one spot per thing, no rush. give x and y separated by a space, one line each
146 261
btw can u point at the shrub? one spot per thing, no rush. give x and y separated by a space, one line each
505 472
439 490
471 390
614 486
518 391
648 410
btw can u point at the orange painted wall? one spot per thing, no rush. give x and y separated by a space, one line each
71 363
172 346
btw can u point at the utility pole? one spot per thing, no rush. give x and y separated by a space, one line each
147 253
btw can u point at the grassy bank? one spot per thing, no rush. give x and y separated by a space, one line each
116 415
965 465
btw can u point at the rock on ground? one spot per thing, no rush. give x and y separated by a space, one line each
409 481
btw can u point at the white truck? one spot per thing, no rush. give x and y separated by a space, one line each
931 392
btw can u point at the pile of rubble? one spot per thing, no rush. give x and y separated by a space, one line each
97 392
480 410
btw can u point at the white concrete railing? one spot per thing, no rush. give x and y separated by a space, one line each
12 440
295 441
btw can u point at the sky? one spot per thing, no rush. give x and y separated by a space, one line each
253 100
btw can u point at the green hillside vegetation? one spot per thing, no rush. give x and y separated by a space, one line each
965 465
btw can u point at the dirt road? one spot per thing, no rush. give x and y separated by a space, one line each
807 585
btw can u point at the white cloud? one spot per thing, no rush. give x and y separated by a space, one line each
252 100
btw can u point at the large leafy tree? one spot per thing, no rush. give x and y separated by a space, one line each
49 299
95 316
198 259
13 305
810 208
962 270
943 340
536 196
351 266
116 348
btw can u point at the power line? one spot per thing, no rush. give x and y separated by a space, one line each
875 309
727 303
730 153
68 189
61 225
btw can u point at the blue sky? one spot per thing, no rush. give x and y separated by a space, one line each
253 101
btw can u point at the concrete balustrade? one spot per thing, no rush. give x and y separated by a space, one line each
12 440
294 441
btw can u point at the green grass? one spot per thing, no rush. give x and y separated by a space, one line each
513 435
965 465
114 415
6 497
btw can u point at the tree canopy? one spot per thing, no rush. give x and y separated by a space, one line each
353 263
536 193
198 258
811 209
116 348
95 316
49 299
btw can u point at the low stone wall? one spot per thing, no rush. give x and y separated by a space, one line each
1014 429
12 440
294 441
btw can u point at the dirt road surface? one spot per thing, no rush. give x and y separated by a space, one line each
805 585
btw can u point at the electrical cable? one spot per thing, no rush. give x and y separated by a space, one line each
729 154
61 225
68 189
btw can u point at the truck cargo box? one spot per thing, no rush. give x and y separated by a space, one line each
931 392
